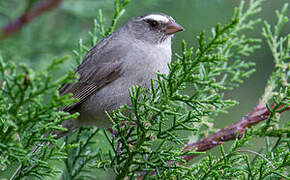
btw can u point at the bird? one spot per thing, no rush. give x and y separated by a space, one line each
129 56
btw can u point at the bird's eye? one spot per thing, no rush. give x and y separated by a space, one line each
152 23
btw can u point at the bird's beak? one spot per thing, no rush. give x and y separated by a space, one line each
172 28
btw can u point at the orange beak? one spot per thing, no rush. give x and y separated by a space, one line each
172 28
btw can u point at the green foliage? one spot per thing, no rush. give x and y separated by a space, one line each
278 87
80 153
28 111
148 137
279 47
235 164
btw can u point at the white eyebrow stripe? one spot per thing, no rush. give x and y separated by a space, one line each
156 17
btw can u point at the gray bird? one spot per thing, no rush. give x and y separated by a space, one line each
129 56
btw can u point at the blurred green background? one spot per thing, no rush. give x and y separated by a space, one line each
56 33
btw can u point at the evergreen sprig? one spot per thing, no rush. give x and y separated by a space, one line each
28 111
280 48
278 87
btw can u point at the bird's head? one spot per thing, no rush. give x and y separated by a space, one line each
154 28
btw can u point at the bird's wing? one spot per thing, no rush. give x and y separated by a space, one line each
101 66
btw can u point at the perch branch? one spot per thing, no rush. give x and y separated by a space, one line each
258 114
37 9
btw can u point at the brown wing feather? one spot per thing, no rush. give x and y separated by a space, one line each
101 66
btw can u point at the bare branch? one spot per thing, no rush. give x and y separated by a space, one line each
258 114
37 9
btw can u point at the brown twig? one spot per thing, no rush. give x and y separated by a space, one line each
37 9
258 114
